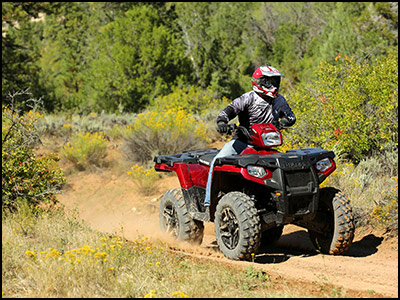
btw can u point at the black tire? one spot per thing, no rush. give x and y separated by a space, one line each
237 226
271 235
175 219
338 234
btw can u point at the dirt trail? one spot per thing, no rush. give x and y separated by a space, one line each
111 204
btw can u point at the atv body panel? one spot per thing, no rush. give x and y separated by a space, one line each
292 181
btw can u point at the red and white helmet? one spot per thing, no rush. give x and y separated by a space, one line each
266 81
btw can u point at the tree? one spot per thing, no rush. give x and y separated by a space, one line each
215 41
20 49
64 52
118 55
137 58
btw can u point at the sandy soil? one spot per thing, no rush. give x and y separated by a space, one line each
111 204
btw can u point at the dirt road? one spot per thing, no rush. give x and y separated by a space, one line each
111 204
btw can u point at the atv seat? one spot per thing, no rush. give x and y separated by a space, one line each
207 159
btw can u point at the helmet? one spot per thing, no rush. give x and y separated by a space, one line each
266 81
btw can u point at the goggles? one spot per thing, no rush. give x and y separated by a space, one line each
270 82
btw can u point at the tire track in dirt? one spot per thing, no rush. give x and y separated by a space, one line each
111 204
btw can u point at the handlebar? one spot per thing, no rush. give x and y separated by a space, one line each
233 127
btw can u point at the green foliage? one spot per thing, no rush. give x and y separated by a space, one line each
171 130
66 124
85 149
351 108
138 58
63 63
19 55
193 99
25 177
94 56
215 41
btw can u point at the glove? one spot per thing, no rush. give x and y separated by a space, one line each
282 124
222 127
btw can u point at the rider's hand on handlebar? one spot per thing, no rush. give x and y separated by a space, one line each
223 127
282 124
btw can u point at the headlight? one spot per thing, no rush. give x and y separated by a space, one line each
271 138
323 164
258 172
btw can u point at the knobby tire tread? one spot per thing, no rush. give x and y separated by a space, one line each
250 229
191 230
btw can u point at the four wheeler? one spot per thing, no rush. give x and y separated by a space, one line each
254 195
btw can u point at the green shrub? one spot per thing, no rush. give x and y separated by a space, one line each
85 149
167 131
26 178
65 125
351 108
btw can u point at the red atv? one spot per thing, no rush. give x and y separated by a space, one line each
254 194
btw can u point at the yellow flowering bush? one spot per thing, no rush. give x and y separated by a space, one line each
67 129
166 131
26 177
177 121
145 179
386 211
85 149
179 294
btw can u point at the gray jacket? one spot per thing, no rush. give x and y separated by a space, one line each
252 109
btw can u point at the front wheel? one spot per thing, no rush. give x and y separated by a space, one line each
175 219
337 233
237 226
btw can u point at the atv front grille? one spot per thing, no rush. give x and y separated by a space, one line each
300 186
298 178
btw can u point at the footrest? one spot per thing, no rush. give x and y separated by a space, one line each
200 216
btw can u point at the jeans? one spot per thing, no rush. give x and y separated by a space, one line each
230 148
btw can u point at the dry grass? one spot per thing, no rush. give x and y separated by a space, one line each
53 255
372 187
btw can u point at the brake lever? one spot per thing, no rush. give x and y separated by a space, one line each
285 127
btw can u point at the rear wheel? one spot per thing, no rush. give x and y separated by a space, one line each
237 226
338 230
175 219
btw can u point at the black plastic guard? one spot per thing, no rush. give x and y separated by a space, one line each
291 160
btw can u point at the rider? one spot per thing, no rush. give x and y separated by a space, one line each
261 105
